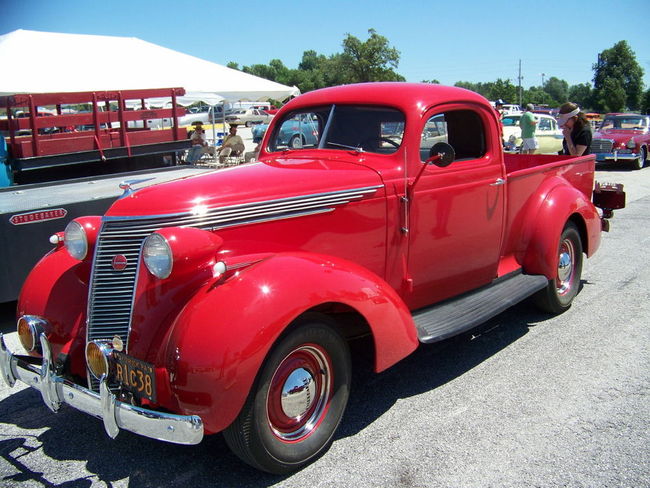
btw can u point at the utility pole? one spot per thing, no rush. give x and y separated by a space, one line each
543 75
520 78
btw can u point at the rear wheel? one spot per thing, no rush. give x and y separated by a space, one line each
297 401
560 292
296 142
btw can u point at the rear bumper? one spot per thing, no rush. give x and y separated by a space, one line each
116 415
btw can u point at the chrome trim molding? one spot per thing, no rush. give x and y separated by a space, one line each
116 415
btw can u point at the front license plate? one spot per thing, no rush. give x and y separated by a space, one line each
135 376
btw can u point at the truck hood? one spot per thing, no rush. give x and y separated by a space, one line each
272 179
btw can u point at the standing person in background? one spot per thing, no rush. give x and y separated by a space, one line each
527 124
576 129
498 106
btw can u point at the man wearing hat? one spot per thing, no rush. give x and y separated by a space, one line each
233 145
199 144
527 124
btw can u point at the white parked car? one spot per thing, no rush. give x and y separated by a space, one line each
547 132
509 109
248 117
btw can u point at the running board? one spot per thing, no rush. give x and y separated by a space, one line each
460 314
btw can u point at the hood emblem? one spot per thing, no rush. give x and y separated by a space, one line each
119 262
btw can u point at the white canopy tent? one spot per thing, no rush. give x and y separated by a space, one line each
47 62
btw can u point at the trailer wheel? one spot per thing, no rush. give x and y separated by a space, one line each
560 292
297 401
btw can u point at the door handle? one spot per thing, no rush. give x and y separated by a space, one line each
498 182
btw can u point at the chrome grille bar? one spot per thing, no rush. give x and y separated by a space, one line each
601 146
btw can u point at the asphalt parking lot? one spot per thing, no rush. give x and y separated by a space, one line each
524 400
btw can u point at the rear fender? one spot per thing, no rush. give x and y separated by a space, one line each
562 204
220 339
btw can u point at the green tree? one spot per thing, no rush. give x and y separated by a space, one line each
502 89
433 82
538 96
233 65
645 103
582 95
558 90
617 70
492 90
612 96
372 60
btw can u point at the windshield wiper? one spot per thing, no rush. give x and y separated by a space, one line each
355 149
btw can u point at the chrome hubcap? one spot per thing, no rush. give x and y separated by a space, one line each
299 393
565 267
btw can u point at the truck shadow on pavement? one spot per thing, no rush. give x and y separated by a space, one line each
73 436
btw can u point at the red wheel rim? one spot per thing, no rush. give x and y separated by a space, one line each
300 393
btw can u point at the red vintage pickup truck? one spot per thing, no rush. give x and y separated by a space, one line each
227 301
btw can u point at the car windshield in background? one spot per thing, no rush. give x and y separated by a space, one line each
624 122
509 121
344 127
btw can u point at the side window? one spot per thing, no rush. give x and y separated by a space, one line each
462 129
544 124
302 130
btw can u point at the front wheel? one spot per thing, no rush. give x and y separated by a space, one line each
560 292
297 401
639 163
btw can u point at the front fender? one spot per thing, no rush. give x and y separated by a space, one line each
57 290
561 204
221 337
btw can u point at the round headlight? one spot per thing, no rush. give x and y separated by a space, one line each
75 240
631 144
97 354
157 256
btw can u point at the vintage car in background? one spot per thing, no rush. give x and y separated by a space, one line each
547 132
258 132
298 131
622 138
248 117
228 302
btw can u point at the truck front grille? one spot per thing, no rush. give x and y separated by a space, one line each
601 146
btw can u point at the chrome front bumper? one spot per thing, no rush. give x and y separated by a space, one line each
116 415
616 156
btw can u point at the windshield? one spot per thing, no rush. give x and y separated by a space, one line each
342 127
625 122
510 121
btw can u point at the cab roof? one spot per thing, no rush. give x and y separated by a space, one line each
404 96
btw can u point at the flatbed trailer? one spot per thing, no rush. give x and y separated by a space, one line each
66 156
49 138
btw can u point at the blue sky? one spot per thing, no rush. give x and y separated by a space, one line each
447 40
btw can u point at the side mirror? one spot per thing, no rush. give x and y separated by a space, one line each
441 154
